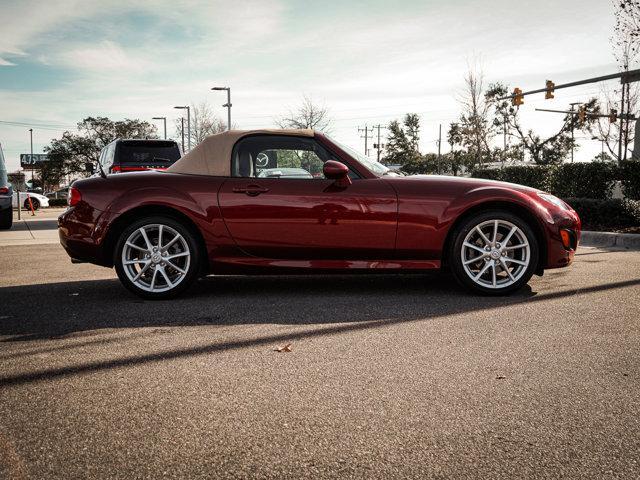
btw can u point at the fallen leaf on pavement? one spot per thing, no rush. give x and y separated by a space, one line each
286 348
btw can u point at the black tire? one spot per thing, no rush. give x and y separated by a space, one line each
456 251
6 218
186 279
34 201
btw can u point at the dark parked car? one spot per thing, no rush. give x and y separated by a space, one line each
6 196
212 212
135 155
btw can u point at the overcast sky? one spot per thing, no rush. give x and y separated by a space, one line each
368 61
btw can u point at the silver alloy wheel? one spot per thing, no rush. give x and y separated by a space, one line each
156 258
495 254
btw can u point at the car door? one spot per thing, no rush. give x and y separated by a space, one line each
286 209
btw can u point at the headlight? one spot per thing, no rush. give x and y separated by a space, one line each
554 200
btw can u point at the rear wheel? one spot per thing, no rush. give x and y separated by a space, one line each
6 218
157 257
494 253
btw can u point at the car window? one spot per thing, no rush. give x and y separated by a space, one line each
107 157
141 151
279 157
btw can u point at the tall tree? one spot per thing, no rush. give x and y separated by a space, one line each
402 141
475 125
307 115
70 154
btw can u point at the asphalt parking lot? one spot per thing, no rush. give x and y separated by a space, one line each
388 377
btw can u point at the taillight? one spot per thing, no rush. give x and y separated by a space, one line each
118 168
74 196
4 190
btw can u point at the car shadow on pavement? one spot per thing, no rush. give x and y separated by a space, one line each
330 305
54 310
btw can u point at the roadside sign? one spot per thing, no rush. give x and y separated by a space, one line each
32 161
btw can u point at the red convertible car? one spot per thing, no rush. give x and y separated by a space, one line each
238 204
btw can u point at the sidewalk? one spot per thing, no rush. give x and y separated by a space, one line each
33 230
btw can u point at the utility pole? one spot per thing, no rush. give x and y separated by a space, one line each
626 117
439 144
504 139
572 123
621 125
378 146
366 137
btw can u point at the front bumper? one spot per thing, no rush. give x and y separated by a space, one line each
561 252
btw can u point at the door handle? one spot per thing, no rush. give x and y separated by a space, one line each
251 190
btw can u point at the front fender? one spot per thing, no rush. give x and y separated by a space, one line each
496 194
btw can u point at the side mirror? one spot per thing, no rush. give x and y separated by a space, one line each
334 170
89 167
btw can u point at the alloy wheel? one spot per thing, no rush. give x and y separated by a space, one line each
495 254
156 258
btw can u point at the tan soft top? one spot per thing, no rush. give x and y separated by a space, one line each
212 156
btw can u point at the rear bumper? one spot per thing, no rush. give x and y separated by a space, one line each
79 236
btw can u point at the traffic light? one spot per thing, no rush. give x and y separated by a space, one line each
550 87
518 98
613 115
582 114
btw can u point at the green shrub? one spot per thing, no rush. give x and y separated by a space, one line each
488 173
612 214
57 202
583 180
532 176
629 174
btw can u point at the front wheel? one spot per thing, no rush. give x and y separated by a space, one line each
157 257
494 253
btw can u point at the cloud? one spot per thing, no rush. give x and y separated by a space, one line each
105 57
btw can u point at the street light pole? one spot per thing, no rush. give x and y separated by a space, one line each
182 132
227 105
188 109
164 119
32 164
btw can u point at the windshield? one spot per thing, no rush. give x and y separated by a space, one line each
148 152
375 167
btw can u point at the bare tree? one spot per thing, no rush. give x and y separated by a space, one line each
475 126
204 122
307 115
626 47
609 132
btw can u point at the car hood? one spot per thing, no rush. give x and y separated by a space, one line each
466 182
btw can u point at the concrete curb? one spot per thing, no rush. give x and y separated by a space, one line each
630 241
